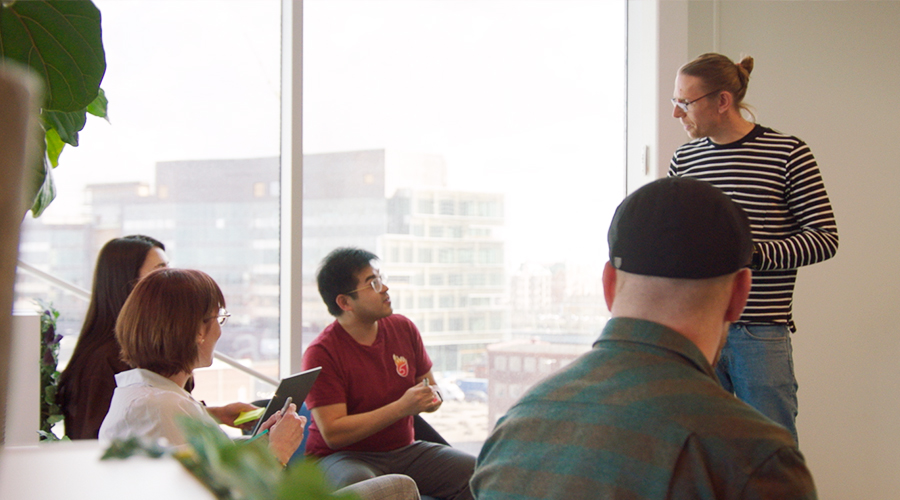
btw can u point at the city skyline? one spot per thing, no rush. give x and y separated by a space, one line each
545 126
443 247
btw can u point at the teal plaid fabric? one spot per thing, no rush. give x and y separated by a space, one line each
640 416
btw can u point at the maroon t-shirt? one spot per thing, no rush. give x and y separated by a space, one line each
366 378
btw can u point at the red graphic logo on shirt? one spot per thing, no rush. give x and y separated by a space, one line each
402 365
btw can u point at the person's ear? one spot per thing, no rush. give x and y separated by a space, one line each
724 101
205 327
609 284
740 290
343 301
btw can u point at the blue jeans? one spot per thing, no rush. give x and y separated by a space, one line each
757 365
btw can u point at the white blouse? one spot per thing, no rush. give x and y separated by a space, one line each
146 404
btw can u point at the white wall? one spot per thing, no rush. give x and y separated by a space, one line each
828 72
657 45
23 404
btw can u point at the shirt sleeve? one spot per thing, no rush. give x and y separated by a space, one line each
673 166
162 420
783 475
423 361
329 388
153 415
816 238
701 473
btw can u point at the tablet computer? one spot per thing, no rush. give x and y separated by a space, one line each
296 387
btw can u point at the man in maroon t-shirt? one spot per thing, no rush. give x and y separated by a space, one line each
375 377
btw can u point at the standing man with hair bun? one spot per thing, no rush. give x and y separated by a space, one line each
776 180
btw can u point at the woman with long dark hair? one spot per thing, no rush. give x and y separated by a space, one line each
86 385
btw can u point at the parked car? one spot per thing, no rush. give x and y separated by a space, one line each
477 396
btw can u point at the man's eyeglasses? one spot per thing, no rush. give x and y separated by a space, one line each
377 284
684 104
222 317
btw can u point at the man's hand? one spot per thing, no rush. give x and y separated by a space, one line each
437 401
419 398
226 414
340 429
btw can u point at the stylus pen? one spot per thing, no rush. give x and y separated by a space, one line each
254 438
284 409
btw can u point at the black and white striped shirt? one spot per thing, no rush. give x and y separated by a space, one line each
775 179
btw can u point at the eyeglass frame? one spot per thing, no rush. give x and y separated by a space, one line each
684 104
220 318
379 278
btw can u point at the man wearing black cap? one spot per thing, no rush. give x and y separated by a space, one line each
642 416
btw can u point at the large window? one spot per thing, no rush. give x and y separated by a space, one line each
478 148
190 157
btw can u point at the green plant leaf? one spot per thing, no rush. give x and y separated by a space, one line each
124 448
231 470
50 412
99 106
304 480
49 436
42 185
50 394
66 124
62 41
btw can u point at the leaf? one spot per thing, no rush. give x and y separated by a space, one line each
305 480
66 124
49 436
43 187
235 470
62 41
124 448
232 470
50 394
99 106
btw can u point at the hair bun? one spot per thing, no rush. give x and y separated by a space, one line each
747 64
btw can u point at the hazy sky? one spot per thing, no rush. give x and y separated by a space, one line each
524 97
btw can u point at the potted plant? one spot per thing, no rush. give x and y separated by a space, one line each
61 41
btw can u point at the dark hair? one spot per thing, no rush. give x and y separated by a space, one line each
721 73
115 274
337 274
159 323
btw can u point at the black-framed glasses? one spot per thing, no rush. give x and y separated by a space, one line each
222 317
377 284
684 104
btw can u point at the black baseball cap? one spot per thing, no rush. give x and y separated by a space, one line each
679 227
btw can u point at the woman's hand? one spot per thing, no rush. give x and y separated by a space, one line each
285 433
226 414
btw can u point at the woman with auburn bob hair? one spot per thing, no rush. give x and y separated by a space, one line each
169 326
